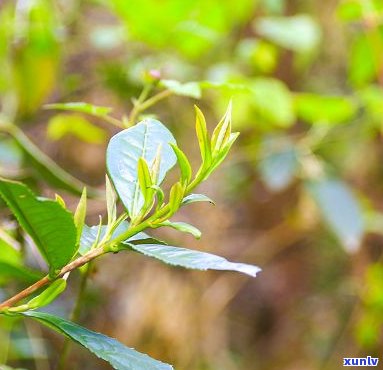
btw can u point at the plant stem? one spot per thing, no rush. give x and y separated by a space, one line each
142 106
74 316
80 261
103 248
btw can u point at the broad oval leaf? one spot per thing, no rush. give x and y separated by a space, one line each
108 349
340 210
51 226
124 151
192 259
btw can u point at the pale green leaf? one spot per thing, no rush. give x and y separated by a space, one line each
124 151
193 198
203 138
184 164
87 108
80 214
184 227
192 259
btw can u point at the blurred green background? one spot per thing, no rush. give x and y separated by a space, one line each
300 195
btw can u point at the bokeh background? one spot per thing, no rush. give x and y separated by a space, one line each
300 195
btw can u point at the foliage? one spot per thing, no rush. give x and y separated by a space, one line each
305 173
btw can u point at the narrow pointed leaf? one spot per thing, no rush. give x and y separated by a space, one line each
222 132
193 198
184 227
48 295
145 180
203 137
221 155
192 259
80 214
81 107
175 197
124 151
110 201
50 225
119 356
183 162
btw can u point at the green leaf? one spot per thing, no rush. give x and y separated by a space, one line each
193 198
70 124
44 298
320 109
190 89
91 109
80 214
176 195
183 162
340 209
51 226
218 159
89 236
299 33
119 356
221 133
145 181
48 295
123 153
184 227
203 138
193 259
111 200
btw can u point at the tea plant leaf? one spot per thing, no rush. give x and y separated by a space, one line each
44 298
80 214
87 108
50 225
183 162
203 138
193 259
340 210
123 153
193 198
108 349
184 227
